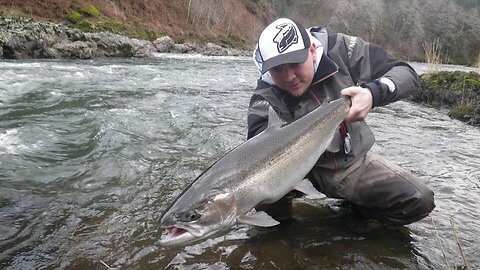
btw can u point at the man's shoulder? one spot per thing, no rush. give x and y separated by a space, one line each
331 39
266 91
262 85
321 31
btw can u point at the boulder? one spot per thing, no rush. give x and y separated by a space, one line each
114 45
214 49
164 44
186 48
26 38
78 49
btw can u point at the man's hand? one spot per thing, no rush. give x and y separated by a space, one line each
361 102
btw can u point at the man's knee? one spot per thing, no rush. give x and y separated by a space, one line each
402 212
421 206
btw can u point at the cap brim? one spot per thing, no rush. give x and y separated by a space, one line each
294 57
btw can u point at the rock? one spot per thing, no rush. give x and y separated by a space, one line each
236 52
8 52
49 53
75 35
214 49
26 38
164 44
77 49
186 48
143 48
41 50
114 45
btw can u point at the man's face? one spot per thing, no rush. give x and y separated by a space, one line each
295 78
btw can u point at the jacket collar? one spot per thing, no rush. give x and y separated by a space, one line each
326 68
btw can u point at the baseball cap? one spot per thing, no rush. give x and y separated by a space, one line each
283 41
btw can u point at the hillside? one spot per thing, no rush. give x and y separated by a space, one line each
404 27
229 22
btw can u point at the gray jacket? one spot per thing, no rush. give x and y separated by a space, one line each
346 61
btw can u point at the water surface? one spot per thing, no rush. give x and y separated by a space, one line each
92 153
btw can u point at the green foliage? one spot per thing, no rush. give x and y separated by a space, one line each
128 29
132 30
75 17
91 11
87 20
454 81
463 112
457 90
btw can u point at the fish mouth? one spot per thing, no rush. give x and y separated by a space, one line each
180 235
175 231
175 235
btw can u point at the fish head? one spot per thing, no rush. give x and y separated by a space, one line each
184 225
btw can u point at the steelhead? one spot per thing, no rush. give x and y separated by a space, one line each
259 171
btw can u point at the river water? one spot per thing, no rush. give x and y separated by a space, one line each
92 153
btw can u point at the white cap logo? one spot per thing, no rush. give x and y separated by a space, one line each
286 36
281 42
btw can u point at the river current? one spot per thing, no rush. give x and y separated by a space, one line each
92 152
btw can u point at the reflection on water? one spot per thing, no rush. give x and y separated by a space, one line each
92 152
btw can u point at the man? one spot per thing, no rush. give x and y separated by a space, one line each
302 68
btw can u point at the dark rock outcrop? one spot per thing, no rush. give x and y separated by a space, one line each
22 38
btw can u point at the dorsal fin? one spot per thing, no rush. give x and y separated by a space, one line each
274 119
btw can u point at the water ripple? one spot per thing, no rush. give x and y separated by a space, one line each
92 152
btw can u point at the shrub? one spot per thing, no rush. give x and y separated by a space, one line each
75 17
463 112
91 11
446 88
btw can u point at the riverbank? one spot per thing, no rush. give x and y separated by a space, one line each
24 38
458 91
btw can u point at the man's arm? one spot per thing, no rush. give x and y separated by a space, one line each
387 78
257 118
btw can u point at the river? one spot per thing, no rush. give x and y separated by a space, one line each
93 151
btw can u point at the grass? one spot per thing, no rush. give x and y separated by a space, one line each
91 19
460 111
129 29
448 264
91 11
432 55
457 90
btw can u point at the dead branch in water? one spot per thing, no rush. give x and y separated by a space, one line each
440 242
458 243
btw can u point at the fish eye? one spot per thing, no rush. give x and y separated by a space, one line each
188 216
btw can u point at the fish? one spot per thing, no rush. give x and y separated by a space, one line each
259 171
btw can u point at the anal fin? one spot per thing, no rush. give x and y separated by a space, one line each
306 187
259 218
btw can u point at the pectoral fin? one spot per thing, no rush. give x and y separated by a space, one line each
306 187
260 219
